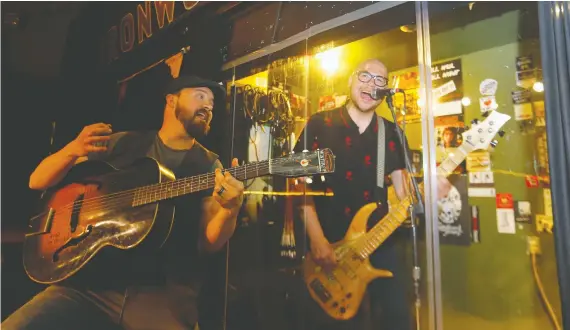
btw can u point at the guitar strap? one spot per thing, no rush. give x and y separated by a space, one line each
381 153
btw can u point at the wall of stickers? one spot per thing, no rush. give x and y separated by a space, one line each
500 196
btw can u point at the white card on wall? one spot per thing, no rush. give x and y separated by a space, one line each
481 192
475 177
487 177
487 103
506 221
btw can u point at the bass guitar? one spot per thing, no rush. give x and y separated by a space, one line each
97 206
339 291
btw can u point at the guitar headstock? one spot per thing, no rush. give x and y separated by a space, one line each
303 164
481 134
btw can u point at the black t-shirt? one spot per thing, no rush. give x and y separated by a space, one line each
354 181
176 271
178 260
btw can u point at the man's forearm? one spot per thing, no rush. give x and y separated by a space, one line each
52 169
311 219
220 229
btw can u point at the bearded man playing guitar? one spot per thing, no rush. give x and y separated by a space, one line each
352 132
160 290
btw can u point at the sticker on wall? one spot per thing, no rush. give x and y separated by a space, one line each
520 96
487 103
506 221
505 201
447 88
523 111
475 233
488 87
523 211
485 178
475 178
525 75
538 108
454 217
531 181
481 192
479 161
524 63
544 223
547 202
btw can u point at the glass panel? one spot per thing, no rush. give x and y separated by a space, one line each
338 99
273 101
268 93
486 63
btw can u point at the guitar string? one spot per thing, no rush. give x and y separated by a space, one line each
200 179
99 200
156 189
132 196
366 242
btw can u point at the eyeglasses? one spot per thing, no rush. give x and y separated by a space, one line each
365 76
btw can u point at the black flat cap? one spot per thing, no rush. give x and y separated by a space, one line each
177 84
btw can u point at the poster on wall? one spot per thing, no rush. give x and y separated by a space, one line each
454 215
448 132
447 90
447 84
523 211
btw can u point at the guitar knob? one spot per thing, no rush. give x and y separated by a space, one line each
494 143
486 114
475 121
501 133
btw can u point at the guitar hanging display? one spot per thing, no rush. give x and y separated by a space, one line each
97 205
339 291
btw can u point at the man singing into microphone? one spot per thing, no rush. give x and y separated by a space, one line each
351 131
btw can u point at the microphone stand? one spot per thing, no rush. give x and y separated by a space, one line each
416 208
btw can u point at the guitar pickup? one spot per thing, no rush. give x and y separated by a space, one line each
323 294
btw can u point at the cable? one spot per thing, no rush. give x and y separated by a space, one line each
549 308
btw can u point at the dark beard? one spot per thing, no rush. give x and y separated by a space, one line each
194 126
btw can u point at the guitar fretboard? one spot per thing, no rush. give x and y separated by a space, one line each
161 191
399 213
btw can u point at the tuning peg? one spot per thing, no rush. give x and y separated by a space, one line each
475 121
501 133
494 143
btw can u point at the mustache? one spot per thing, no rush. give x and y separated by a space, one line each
203 112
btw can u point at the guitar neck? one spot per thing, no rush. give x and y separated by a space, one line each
399 213
166 190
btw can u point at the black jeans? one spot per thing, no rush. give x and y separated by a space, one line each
63 308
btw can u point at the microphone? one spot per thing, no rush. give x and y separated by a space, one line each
378 93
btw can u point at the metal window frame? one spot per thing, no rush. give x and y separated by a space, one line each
435 313
313 30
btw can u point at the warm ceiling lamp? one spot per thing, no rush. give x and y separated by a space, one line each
408 28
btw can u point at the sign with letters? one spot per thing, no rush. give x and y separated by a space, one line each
141 23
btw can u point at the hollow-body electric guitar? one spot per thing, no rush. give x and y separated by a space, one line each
97 205
339 291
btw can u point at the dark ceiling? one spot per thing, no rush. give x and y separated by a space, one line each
34 36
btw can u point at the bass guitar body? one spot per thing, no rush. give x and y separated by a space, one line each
92 209
339 291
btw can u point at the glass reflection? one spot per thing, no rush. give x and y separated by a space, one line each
499 214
